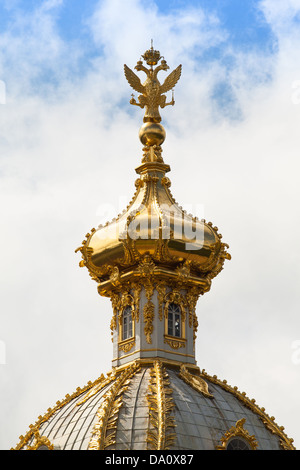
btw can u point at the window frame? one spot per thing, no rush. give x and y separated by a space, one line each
126 345
175 342
130 326
171 331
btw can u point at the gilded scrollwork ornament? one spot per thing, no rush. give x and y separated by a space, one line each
146 266
161 436
104 431
115 276
175 343
40 442
238 431
136 289
183 271
127 345
192 297
195 381
149 311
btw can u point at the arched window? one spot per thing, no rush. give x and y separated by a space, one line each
238 443
174 320
127 323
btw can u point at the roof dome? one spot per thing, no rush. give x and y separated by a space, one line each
156 407
154 262
155 225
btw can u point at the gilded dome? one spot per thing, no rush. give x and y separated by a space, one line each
156 407
154 225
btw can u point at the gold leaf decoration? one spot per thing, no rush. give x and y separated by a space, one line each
196 382
105 428
148 312
103 382
40 441
148 319
34 428
161 404
238 431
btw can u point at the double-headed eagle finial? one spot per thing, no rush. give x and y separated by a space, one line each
152 92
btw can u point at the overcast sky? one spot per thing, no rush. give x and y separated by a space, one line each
68 152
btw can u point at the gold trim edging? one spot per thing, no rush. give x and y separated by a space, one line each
285 442
151 350
91 389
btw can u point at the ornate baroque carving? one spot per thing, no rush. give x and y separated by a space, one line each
174 343
192 297
161 292
104 432
195 381
148 312
161 405
40 441
127 345
238 431
136 298
148 319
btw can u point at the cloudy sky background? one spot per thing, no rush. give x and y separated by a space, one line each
68 150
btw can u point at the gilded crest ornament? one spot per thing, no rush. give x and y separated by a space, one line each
152 92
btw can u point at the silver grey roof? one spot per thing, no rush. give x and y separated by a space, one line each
197 420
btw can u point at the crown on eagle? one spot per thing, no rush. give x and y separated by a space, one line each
151 56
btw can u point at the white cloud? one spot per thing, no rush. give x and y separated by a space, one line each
280 15
65 153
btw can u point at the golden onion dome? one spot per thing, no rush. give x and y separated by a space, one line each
153 227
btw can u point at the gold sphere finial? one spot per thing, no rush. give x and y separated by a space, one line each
152 133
